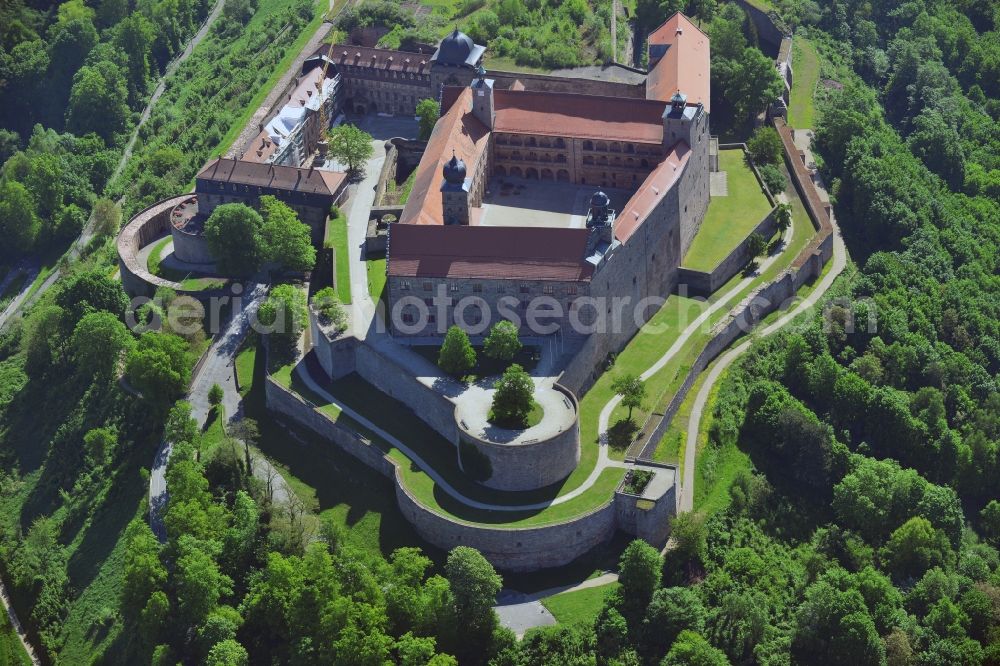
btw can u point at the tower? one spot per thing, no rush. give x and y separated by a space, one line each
682 122
455 192
482 98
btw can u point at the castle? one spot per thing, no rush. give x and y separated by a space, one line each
458 237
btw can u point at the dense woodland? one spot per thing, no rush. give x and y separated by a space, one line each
864 530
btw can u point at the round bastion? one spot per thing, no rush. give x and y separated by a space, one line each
527 459
187 228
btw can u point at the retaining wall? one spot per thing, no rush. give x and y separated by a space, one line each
701 283
430 406
509 549
191 248
336 356
513 549
529 466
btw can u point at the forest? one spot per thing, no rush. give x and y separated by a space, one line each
865 529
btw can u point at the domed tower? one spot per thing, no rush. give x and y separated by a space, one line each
455 61
455 191
600 221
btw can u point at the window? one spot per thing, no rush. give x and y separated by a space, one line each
407 318
427 286
548 289
404 285
525 288
571 290
477 288
453 287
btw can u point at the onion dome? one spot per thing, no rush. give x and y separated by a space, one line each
454 170
455 48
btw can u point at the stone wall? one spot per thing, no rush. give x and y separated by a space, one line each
285 403
769 35
430 406
191 248
531 465
335 355
510 549
513 549
701 283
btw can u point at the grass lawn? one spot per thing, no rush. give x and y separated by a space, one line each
155 255
245 362
805 63
663 329
376 278
579 606
730 218
336 237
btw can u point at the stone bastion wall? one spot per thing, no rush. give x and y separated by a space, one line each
146 226
528 465
191 247
509 549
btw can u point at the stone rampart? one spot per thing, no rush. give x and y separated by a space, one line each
190 247
430 406
533 464
512 548
336 354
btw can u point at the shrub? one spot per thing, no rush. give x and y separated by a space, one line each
329 308
773 177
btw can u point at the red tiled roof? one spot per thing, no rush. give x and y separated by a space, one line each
578 116
386 59
459 131
314 181
530 253
652 190
686 64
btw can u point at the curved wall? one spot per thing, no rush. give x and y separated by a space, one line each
532 465
191 248
142 229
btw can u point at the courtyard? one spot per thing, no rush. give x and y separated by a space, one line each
518 202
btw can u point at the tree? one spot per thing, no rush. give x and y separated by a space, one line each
513 397
690 649
329 308
215 395
765 146
916 547
284 312
198 581
227 653
351 146
100 443
833 626
474 586
457 355
783 217
632 390
427 111
503 342
234 233
756 245
180 427
18 222
639 570
144 573
990 516
107 217
690 536
671 611
286 240
611 632
98 101
90 291
157 367
98 342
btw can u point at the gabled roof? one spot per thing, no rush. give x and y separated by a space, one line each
373 58
684 64
255 174
459 131
578 116
652 190
472 252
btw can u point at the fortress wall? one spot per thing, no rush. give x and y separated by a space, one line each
568 84
285 403
532 465
430 406
145 227
191 248
513 549
701 283
336 356
694 186
769 35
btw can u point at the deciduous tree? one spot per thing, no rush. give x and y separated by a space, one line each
503 342
457 355
350 145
